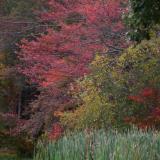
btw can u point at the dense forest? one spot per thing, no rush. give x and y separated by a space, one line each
80 79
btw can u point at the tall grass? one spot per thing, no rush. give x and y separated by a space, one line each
135 145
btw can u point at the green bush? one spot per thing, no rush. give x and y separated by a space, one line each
104 93
142 16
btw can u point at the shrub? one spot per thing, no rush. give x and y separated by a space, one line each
143 15
105 92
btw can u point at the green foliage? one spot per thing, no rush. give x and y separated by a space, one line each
8 156
9 88
19 8
95 111
143 15
16 146
105 91
18 20
134 145
11 156
9 96
6 6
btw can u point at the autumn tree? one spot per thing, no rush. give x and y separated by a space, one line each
76 31
18 19
120 91
143 15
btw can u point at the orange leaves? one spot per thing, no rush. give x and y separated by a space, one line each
58 113
136 99
56 132
147 94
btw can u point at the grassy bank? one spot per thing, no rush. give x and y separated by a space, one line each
135 145
10 155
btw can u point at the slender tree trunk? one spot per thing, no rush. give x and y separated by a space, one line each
19 106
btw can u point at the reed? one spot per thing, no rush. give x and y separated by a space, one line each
99 145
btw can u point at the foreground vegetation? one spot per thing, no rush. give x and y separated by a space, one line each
99 145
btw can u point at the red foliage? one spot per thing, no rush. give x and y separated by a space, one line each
136 99
56 132
76 31
150 98
65 53
148 92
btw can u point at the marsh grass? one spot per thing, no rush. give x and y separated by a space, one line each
99 145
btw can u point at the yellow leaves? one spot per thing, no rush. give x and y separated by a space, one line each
154 31
99 61
105 91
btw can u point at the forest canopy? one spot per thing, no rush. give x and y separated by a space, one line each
76 66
